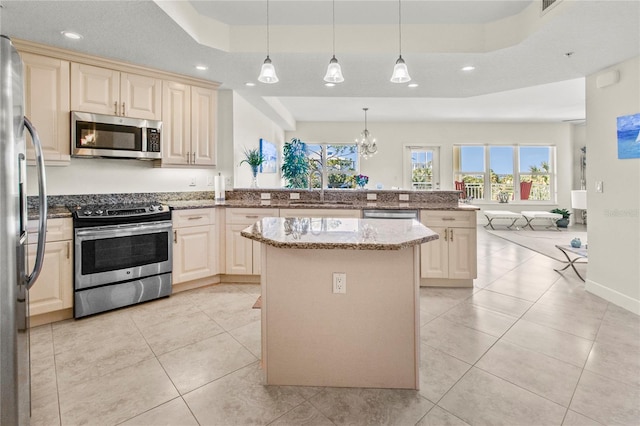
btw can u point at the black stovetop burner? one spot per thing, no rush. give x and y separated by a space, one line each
110 214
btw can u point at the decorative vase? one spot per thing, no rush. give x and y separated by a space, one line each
254 177
576 243
562 223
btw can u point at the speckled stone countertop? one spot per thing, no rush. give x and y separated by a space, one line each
343 233
293 204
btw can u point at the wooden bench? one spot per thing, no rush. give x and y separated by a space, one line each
491 215
529 216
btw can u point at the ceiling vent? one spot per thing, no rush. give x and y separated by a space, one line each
547 4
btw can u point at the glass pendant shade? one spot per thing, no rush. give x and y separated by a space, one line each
400 72
268 72
334 72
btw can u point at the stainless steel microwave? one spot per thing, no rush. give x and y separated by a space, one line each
98 135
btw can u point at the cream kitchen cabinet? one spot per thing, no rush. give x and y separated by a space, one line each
106 91
53 290
196 252
452 259
242 254
188 115
46 84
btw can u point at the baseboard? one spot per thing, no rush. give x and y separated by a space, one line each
445 282
240 279
50 317
613 296
190 285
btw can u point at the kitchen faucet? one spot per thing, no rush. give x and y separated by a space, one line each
320 174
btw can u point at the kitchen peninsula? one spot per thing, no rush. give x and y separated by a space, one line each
359 328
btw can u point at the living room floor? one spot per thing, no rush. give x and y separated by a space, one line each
525 346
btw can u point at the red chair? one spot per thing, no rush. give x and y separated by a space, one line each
525 190
460 187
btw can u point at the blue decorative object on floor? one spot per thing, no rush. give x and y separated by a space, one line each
576 243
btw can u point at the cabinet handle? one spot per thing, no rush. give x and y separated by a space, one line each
194 217
123 109
115 108
175 236
188 158
193 155
446 235
252 216
68 249
448 218
451 239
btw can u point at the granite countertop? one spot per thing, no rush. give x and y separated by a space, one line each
293 204
343 233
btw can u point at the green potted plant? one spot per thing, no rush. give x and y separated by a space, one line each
254 158
295 164
564 222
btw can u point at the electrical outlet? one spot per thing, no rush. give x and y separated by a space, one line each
209 180
372 196
599 186
265 196
294 196
192 181
227 181
403 197
340 282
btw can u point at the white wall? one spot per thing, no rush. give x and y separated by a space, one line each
249 126
104 176
387 166
614 225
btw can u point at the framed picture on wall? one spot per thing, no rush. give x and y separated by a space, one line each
270 153
629 136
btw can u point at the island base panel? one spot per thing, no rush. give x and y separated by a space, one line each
368 337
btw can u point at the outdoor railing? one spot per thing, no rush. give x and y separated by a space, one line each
539 191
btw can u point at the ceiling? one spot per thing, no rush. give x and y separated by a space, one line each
523 72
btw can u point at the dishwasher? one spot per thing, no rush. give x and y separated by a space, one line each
389 214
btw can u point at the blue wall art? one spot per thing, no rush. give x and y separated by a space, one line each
629 136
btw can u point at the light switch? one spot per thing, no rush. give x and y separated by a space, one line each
599 186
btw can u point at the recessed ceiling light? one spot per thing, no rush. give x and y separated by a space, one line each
71 35
249 84
468 68
412 85
202 67
329 84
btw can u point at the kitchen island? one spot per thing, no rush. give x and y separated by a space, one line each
313 334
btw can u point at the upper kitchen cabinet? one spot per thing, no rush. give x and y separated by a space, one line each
105 91
188 120
46 83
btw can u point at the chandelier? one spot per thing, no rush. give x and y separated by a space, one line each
366 143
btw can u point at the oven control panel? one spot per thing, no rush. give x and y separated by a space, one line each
119 210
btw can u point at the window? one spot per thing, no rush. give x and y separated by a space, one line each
337 163
522 173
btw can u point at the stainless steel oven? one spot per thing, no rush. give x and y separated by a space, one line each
123 256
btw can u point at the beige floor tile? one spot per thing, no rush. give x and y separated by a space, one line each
117 396
607 401
481 398
357 406
44 381
522 289
456 340
303 414
576 419
172 413
197 364
230 310
240 398
564 319
438 372
545 376
45 410
41 342
481 319
439 417
178 331
436 300
501 303
617 361
620 327
556 344
159 311
100 358
250 336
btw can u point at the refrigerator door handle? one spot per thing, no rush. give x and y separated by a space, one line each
42 197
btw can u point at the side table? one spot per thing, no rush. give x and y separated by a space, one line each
577 253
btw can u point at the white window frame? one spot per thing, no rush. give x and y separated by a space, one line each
406 164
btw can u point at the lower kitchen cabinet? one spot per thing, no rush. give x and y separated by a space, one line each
452 259
242 254
53 290
195 245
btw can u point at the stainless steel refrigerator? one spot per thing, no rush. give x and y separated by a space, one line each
15 280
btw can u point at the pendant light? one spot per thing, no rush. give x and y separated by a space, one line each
400 71
268 71
366 143
334 72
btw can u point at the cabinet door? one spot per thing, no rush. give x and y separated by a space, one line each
462 253
194 253
203 126
176 122
239 251
140 96
434 255
53 290
46 83
95 89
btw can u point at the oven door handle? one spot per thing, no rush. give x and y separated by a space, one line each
123 230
